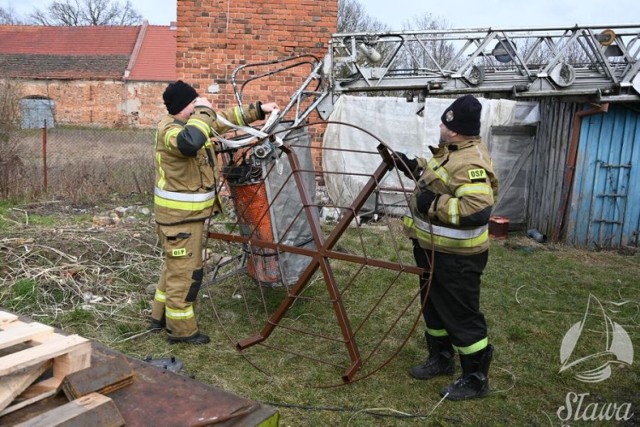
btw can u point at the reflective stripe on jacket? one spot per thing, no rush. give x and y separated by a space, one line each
185 163
444 236
462 176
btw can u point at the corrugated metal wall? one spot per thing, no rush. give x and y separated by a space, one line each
605 202
546 177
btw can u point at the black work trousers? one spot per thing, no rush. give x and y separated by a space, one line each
453 303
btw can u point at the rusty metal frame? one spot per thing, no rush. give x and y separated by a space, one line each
320 257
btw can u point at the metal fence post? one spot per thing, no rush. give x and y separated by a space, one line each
44 153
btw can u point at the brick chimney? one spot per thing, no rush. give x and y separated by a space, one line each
215 37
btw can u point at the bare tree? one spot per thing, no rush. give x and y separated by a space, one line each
9 17
353 17
87 12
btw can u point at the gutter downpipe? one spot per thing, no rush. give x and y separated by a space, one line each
571 163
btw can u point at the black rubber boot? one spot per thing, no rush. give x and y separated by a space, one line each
157 325
439 362
474 381
197 338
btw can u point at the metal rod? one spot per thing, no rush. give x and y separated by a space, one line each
319 260
44 156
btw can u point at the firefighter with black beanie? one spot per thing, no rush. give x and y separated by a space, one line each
451 204
184 197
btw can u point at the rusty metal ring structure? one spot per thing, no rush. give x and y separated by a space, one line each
323 257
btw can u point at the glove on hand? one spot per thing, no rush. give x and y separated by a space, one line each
424 200
405 165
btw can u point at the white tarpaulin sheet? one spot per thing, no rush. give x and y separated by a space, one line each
397 123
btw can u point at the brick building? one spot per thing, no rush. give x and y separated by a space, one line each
104 76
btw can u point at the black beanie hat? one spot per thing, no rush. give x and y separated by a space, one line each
177 96
463 116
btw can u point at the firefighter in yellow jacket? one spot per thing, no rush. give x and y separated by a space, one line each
185 196
455 192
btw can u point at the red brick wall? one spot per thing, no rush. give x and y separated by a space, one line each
101 103
216 36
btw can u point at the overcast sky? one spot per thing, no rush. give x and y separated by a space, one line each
456 14
507 13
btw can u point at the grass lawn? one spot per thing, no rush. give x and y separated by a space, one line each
90 281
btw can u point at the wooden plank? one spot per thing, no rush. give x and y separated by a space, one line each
93 410
70 350
6 317
36 392
23 332
110 375
12 386
40 387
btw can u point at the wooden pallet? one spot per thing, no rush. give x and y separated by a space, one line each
29 350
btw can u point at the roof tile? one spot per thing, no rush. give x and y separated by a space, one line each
157 57
94 52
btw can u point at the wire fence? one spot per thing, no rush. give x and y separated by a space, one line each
77 164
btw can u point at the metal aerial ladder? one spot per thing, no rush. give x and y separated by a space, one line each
599 63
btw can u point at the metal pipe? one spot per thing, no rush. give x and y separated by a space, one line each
44 155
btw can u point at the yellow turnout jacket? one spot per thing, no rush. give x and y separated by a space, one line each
185 163
461 174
